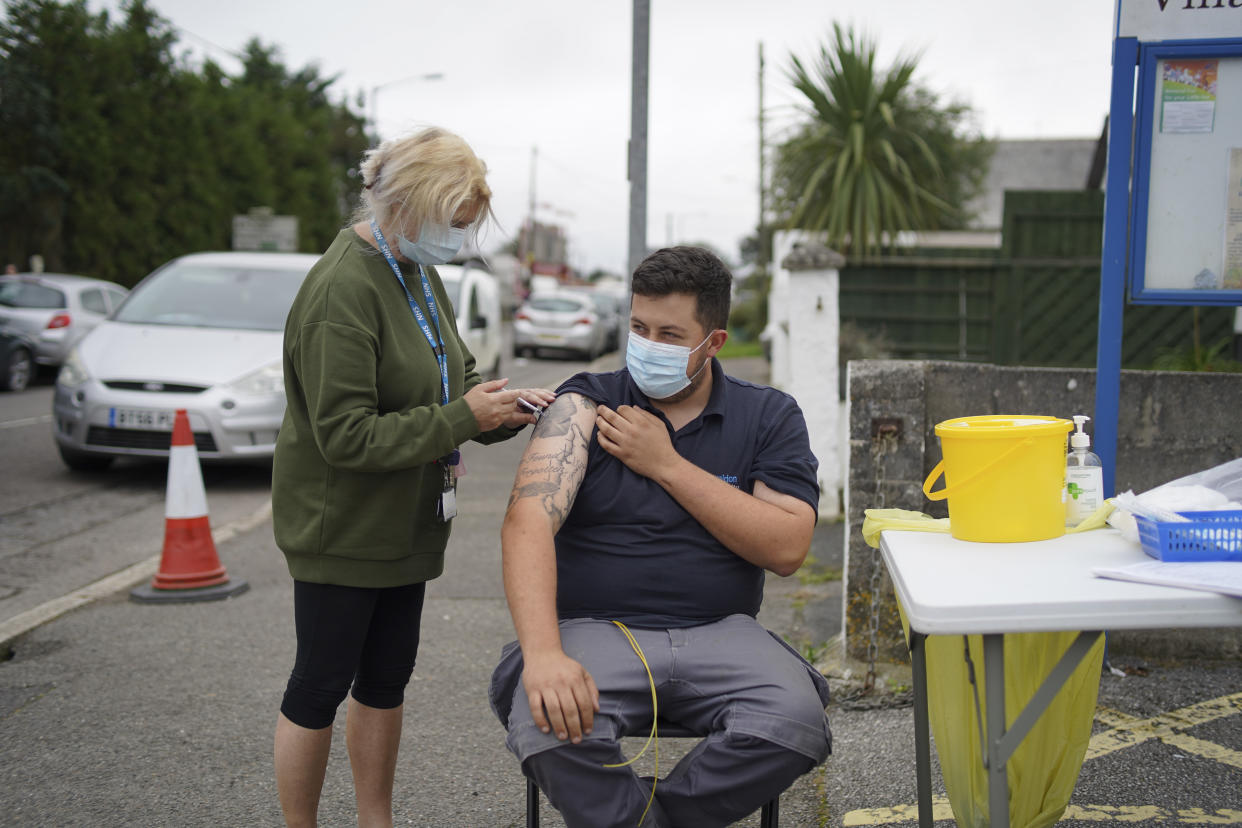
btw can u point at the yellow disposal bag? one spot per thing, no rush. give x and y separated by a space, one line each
1044 769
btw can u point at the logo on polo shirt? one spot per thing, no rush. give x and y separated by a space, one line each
731 479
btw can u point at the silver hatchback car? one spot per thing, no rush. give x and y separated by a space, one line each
560 321
56 309
204 333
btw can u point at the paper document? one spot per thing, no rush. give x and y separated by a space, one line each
1224 576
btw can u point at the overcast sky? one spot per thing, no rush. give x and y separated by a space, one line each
554 76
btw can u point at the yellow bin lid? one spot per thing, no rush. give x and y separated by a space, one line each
1003 426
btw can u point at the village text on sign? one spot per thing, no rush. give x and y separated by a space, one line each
1152 20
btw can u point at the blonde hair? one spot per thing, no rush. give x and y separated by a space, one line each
432 175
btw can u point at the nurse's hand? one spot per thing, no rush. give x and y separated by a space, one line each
539 397
493 405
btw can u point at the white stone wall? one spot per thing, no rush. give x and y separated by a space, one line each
804 324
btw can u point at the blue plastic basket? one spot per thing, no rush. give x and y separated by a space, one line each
1206 536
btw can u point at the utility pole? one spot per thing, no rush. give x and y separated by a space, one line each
638 137
761 257
534 159
530 248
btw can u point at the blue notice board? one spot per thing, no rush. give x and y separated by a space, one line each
1186 244
1173 191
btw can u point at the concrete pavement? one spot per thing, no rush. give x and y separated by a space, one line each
122 714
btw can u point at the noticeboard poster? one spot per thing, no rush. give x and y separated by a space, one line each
1192 239
1233 223
1187 96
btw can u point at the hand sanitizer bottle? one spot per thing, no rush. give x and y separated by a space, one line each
1084 477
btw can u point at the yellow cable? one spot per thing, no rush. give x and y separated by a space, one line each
653 737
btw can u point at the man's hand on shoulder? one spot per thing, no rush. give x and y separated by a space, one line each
637 438
563 696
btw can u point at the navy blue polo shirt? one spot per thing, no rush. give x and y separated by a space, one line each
628 551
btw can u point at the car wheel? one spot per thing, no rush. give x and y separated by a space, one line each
82 461
19 370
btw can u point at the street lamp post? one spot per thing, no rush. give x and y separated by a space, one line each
428 76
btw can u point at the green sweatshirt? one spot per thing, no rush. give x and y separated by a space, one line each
354 480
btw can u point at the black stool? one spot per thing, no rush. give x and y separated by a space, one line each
769 816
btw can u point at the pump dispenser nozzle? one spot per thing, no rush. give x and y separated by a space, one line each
1080 438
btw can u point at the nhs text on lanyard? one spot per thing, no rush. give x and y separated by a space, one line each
446 510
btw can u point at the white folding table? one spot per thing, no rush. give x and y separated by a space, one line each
952 587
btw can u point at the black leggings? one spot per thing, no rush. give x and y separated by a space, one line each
351 635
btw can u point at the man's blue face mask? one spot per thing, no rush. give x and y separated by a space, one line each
658 368
437 243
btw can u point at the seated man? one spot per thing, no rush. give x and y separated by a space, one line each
656 496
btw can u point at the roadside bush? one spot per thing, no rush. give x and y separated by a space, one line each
749 315
1198 358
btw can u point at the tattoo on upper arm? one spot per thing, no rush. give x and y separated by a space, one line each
554 465
558 417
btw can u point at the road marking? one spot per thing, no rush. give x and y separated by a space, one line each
46 418
1142 813
898 813
128 577
941 810
1124 731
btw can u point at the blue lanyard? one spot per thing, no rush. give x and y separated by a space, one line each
436 342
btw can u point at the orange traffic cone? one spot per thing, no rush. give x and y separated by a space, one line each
190 569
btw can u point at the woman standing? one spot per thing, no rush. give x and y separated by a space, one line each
381 392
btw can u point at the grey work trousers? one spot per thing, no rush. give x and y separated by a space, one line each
757 703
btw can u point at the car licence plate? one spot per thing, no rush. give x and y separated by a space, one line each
546 337
140 418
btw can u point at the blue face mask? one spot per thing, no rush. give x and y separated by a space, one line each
437 243
658 368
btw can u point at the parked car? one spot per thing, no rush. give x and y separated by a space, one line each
56 309
610 310
560 321
475 294
203 332
17 365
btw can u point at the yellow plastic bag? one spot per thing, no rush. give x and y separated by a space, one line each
876 521
1044 768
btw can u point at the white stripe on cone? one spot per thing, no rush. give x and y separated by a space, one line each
185 496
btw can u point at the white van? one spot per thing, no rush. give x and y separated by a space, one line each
475 294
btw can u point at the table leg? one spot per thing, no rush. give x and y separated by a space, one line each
998 779
922 732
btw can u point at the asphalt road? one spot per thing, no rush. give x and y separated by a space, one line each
126 714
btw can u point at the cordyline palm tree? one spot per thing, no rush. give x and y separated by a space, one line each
865 165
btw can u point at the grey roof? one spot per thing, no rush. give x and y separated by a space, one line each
62 279
1039 164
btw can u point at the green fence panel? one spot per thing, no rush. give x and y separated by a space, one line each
1035 301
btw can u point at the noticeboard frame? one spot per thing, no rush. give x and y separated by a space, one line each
1146 115
1144 33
